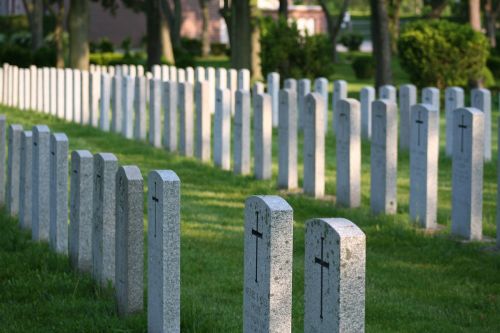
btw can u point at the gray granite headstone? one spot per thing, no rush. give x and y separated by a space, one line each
40 220
155 112
407 98
273 88
388 92
366 97
287 139
186 119
140 108
103 218
241 152
164 260
303 88
348 153
116 103
481 100
25 193
339 93
430 95
104 102
244 79
334 276
203 126
290 84
321 87
128 87
222 129
170 116
467 173
384 157
267 289
314 146
424 154
3 132
58 230
129 247
454 99
263 136
81 210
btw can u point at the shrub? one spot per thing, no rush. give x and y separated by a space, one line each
15 55
218 49
363 67
192 46
494 65
105 59
352 41
45 56
106 46
442 53
286 51
183 58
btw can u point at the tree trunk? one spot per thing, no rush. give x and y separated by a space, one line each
37 26
256 68
381 42
437 9
176 24
475 14
283 9
78 26
205 28
59 34
241 48
490 15
166 42
333 25
153 17
394 23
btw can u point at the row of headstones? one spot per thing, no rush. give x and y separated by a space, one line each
105 237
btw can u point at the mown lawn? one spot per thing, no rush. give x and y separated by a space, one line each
415 281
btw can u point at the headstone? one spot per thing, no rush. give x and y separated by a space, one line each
314 146
94 96
3 132
103 218
257 88
221 78
304 88
61 98
85 98
467 173
165 73
170 118
21 90
181 75
156 69
199 74
129 249
267 289
116 102
287 139
222 129
140 108
58 230
430 95
128 91
290 84
210 78
53 91
366 97
40 220
424 154
339 93
241 152
33 88
334 276
244 79
232 85
155 102
186 119
81 210
321 87
26 183
384 157
388 92
104 102
190 75
45 89
173 74
202 122
273 89
164 264
454 99
68 94
481 99
348 153
77 96
263 136
407 98
13 168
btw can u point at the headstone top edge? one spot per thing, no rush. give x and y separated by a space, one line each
16 127
343 227
165 175
59 136
131 172
475 112
82 153
273 202
27 134
106 156
41 128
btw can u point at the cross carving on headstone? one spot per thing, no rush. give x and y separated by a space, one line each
156 200
323 264
462 127
419 122
257 234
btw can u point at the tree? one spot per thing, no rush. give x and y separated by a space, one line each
333 22
225 11
475 14
491 12
78 28
153 35
34 11
205 30
381 42
394 26
437 8
58 14
172 11
283 9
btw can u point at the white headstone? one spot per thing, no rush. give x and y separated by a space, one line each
481 100
203 126
304 88
186 119
241 152
321 87
41 183
170 116
407 98
287 139
454 99
263 136
366 97
273 89
140 108
388 92
104 102
222 129
127 117
339 93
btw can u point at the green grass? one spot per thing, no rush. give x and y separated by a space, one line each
415 282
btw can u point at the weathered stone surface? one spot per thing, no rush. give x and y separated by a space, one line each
26 182
273 89
334 281
116 103
339 93
104 102
366 97
321 87
186 119
481 99
241 152
407 98
41 181
170 116
263 136
155 112
304 88
287 137
454 99
127 117
164 251
140 108
222 129
388 92
467 173
267 290
203 129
